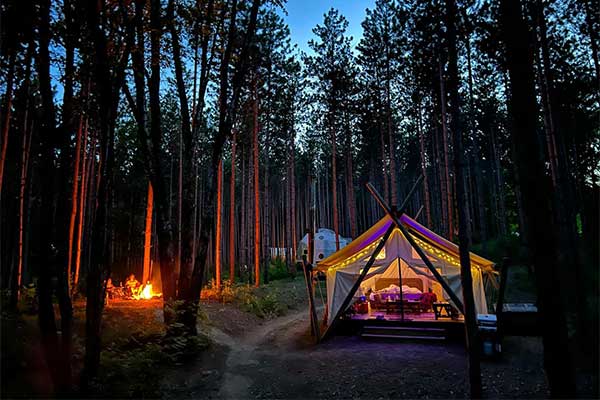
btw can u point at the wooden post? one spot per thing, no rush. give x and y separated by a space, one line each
415 246
314 322
501 290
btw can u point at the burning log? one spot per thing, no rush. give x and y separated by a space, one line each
147 293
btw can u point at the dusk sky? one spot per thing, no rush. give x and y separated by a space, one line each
304 15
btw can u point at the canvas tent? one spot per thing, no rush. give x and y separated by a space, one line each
324 244
399 259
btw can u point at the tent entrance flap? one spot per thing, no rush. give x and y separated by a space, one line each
350 293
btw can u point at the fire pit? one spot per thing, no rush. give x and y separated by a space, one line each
147 293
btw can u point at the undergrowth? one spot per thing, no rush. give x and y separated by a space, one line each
138 349
267 301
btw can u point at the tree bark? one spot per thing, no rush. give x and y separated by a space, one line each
472 332
232 212
293 225
74 199
256 188
350 183
536 197
86 179
423 165
164 226
244 206
148 235
25 147
334 202
6 126
57 353
219 226
445 155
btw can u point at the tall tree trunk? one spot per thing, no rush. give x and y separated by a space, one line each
384 169
86 179
536 197
243 207
164 227
227 114
390 132
287 207
148 235
499 183
423 165
592 30
232 212
472 331
565 203
350 184
334 201
25 147
268 238
448 183
57 353
293 200
74 199
441 180
6 126
108 80
256 188
219 226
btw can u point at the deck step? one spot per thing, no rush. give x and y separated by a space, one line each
403 332
404 328
411 337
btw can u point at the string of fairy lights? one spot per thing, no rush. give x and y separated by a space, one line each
428 248
358 256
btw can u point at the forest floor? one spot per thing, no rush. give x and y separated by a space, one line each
245 355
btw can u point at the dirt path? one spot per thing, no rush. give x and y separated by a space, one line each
243 355
277 359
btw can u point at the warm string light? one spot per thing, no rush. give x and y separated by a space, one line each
437 253
356 257
434 251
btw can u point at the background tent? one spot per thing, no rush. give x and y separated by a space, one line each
344 267
324 244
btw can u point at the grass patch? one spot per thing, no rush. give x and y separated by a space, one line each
267 301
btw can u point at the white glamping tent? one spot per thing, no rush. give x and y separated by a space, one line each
324 243
399 262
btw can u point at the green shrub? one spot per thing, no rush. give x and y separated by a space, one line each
278 269
504 246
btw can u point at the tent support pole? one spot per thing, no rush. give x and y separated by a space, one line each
415 246
401 294
358 282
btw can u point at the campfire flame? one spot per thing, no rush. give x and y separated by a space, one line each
147 293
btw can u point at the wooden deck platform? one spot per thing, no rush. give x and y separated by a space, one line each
355 324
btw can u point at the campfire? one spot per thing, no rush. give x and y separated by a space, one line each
146 293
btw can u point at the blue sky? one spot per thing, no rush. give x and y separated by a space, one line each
304 15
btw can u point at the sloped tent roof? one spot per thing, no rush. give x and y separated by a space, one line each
344 267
